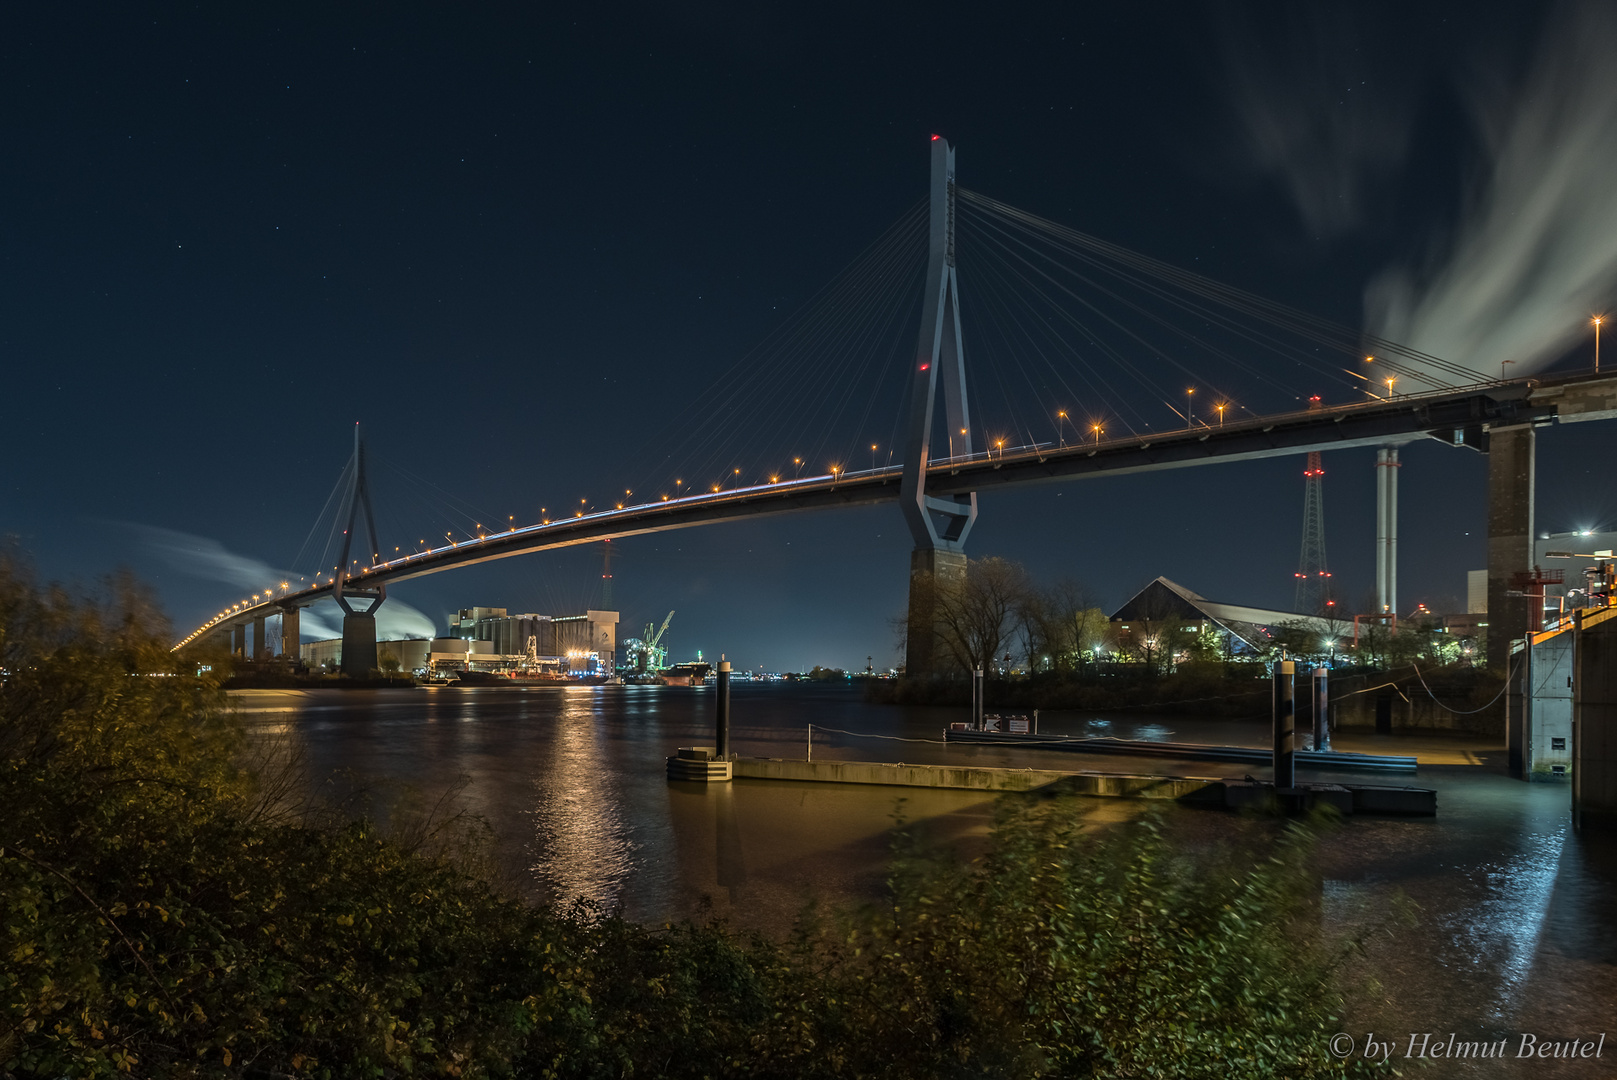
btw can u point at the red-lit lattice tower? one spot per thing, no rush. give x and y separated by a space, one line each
1313 575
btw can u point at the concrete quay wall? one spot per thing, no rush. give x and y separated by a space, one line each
976 779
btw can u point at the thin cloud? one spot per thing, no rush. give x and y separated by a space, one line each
1314 113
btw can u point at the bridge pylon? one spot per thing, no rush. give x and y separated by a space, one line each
939 525
358 626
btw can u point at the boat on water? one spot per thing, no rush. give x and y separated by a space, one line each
508 678
691 673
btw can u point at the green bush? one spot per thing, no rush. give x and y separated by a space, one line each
162 916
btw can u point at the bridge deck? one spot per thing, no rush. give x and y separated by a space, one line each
1456 417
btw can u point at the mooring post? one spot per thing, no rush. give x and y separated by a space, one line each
1322 710
721 737
1285 713
977 699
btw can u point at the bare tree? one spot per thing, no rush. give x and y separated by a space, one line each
976 617
1062 625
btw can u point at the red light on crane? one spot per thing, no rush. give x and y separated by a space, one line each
925 366
935 138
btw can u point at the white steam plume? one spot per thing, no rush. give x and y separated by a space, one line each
200 557
1535 256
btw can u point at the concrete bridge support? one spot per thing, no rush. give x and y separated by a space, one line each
359 644
260 641
1538 707
238 641
1594 723
939 525
934 573
291 645
1510 535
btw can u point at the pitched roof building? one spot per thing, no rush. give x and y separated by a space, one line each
1248 629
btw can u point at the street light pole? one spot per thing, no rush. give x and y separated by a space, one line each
1597 344
1190 401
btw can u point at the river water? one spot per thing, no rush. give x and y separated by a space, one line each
1516 927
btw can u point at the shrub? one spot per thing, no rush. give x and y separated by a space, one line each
162 916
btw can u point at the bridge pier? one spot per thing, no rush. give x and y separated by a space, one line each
939 524
260 641
1511 452
359 644
933 571
291 646
238 641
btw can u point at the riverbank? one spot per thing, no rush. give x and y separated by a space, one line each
1457 698
1513 932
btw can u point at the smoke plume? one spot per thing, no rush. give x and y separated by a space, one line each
1535 254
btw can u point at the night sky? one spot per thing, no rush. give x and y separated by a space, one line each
523 246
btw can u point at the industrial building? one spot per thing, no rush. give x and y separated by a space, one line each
579 644
1243 629
492 639
1549 550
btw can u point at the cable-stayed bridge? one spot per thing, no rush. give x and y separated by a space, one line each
1065 318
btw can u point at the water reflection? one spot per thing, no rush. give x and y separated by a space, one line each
1510 919
585 849
1517 927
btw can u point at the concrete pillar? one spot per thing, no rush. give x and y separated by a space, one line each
1321 701
1594 723
260 641
1387 530
291 645
1538 710
1510 535
721 734
358 645
238 641
933 573
1285 724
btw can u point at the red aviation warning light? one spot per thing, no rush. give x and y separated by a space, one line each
935 138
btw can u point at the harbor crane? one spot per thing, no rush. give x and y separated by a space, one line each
645 655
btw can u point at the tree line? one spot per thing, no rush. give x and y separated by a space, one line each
1001 621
